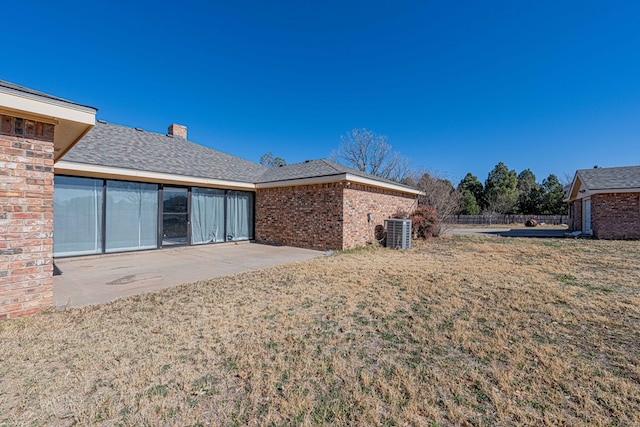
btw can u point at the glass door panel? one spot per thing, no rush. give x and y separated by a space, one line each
175 216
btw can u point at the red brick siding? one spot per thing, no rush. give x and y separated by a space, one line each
360 200
307 216
615 215
324 216
26 216
575 215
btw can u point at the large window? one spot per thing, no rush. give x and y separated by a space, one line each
93 216
207 215
132 216
239 215
77 216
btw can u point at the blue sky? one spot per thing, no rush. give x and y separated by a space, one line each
457 86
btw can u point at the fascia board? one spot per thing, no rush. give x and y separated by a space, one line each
81 169
386 185
47 109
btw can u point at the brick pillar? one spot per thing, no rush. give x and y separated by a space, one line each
26 216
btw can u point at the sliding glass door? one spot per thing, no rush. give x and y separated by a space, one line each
132 216
175 216
93 216
207 215
77 216
239 215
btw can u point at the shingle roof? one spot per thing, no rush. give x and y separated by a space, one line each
610 178
130 148
8 87
124 147
312 169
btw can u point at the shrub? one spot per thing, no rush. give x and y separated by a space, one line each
424 221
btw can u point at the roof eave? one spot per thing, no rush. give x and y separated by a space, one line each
88 170
341 177
72 121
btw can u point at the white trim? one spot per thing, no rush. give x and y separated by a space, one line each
390 186
46 108
589 193
614 190
80 169
344 177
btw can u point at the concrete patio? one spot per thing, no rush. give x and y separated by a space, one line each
100 279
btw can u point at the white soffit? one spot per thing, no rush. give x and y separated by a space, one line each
72 121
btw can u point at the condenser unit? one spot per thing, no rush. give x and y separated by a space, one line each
398 233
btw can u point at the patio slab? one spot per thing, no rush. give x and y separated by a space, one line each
100 279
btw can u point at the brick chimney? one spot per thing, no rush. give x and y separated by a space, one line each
177 130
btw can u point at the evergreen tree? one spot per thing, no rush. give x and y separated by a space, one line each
469 204
529 195
501 190
471 184
553 196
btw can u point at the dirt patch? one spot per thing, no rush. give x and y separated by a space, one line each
462 330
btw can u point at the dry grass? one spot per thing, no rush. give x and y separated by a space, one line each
462 330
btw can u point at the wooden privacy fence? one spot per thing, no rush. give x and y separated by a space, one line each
505 219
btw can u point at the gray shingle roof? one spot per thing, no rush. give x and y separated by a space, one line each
8 87
129 148
610 178
312 169
124 147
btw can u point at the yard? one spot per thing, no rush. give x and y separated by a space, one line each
461 330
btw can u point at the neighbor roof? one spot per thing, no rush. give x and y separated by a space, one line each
124 147
604 180
610 178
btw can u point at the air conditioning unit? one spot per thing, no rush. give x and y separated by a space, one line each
398 233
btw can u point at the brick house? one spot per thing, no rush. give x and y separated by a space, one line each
605 202
121 189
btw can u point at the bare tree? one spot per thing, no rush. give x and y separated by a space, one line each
371 153
268 160
439 194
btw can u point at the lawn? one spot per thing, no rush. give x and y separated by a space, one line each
461 330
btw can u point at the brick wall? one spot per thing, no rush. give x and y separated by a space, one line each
307 216
324 216
575 215
26 216
615 216
361 200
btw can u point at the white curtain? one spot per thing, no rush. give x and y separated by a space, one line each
207 215
132 216
239 215
77 216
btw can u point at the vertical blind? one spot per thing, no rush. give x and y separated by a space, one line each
77 216
132 216
207 215
239 215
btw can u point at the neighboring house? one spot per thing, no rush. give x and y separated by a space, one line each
121 189
605 202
